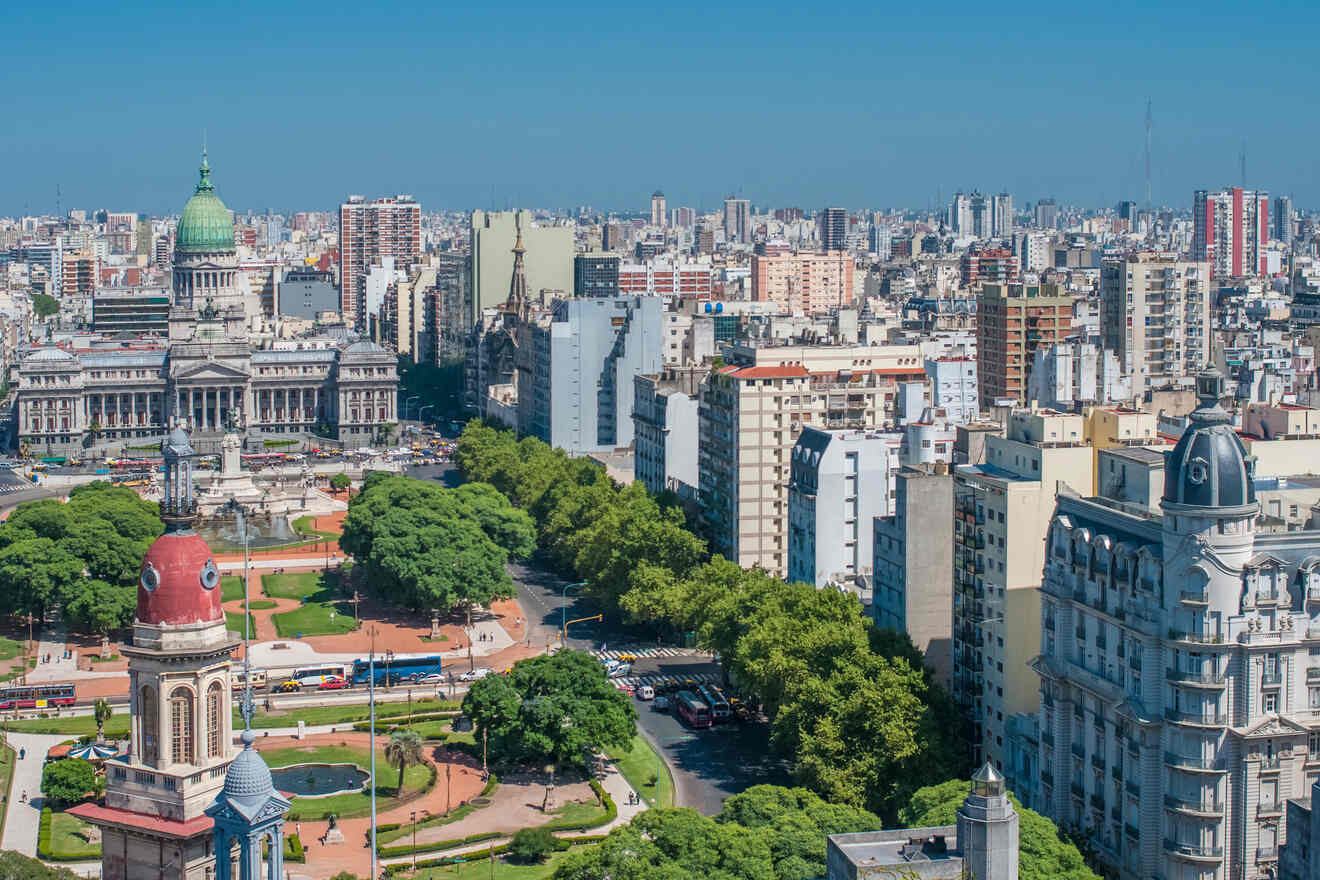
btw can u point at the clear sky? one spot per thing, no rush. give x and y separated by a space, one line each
489 104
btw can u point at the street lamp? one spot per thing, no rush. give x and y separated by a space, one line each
405 405
563 609
424 409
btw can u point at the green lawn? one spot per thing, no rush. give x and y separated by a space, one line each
115 728
262 604
7 756
350 804
67 843
578 811
300 585
231 587
234 622
10 648
314 619
303 525
394 712
503 870
639 766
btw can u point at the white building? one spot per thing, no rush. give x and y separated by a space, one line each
1155 315
1076 371
665 430
839 483
953 388
1178 670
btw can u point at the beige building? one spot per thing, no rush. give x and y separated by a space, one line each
1155 315
750 415
547 258
808 283
1002 510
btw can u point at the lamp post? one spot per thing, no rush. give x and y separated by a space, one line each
563 609
371 701
424 409
405 406
412 817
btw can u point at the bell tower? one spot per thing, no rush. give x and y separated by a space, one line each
153 820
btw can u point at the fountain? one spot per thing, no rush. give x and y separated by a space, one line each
319 780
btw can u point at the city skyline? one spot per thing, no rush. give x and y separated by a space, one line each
473 108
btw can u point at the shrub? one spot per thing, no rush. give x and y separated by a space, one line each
69 780
293 849
43 833
531 846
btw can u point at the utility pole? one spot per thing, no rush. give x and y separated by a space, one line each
371 701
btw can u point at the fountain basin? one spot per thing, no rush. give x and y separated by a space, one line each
319 780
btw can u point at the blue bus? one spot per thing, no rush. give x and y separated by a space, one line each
401 670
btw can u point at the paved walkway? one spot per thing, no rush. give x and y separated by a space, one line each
22 819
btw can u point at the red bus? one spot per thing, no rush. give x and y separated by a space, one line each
691 709
38 696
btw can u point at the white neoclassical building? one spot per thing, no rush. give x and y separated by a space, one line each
1180 667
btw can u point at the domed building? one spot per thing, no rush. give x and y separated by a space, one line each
153 821
1180 685
221 359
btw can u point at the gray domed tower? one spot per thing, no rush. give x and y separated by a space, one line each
988 828
1210 510
247 812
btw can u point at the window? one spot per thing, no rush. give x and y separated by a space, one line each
181 726
215 720
149 723
1269 704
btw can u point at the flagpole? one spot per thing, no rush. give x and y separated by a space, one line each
371 701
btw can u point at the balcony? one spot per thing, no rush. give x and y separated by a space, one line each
1116 771
1208 718
1196 638
1190 762
1100 641
1077 790
1267 853
1210 806
1116 813
1313 673
1271 762
1187 676
1271 677
1194 850
1098 761
1133 788
1098 801
1265 809
1047 738
1198 597
1080 632
1079 750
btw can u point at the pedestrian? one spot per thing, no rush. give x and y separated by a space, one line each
22 753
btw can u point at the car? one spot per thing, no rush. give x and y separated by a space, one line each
333 684
431 678
646 692
619 671
288 687
661 704
474 674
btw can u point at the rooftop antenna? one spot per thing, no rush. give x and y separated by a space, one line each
58 212
1242 161
1148 154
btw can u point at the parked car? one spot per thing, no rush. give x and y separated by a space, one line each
474 674
661 704
646 692
431 678
288 687
333 684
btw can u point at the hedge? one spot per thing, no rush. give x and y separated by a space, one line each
43 833
561 845
408 849
385 725
293 849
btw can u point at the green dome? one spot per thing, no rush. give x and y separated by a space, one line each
206 226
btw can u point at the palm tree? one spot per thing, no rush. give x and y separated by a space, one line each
102 712
403 750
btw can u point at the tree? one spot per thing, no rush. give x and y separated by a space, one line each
403 751
340 482
531 845
98 607
44 306
16 866
35 571
558 709
674 844
68 781
1043 852
102 711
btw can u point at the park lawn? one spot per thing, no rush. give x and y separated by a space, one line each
7 756
67 843
639 765
299 585
577 811
314 619
481 870
304 525
350 804
234 622
386 713
115 728
262 604
231 587
10 648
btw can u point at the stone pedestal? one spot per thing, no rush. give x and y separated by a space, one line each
435 626
106 653
334 835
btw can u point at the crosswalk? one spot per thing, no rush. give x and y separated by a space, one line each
640 653
636 681
14 484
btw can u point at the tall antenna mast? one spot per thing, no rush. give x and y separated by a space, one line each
58 212
1148 154
1242 160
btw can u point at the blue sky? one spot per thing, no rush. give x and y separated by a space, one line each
494 104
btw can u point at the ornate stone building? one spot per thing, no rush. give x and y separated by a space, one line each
154 823
218 357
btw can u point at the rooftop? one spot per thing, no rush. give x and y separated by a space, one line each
924 852
1136 453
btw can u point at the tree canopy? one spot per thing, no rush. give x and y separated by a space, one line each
16 866
826 677
425 546
44 306
765 833
1043 853
84 554
69 780
558 708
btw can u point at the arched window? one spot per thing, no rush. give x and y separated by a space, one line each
215 719
181 726
149 721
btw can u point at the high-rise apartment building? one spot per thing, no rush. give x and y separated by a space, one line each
882 239
596 274
1283 219
1155 316
369 232
838 484
1047 214
685 218
997 265
810 283
833 231
751 413
1002 211
547 257
737 220
1177 698
665 278
1230 228
912 573
1013 321
1002 509
665 430
659 216
79 270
